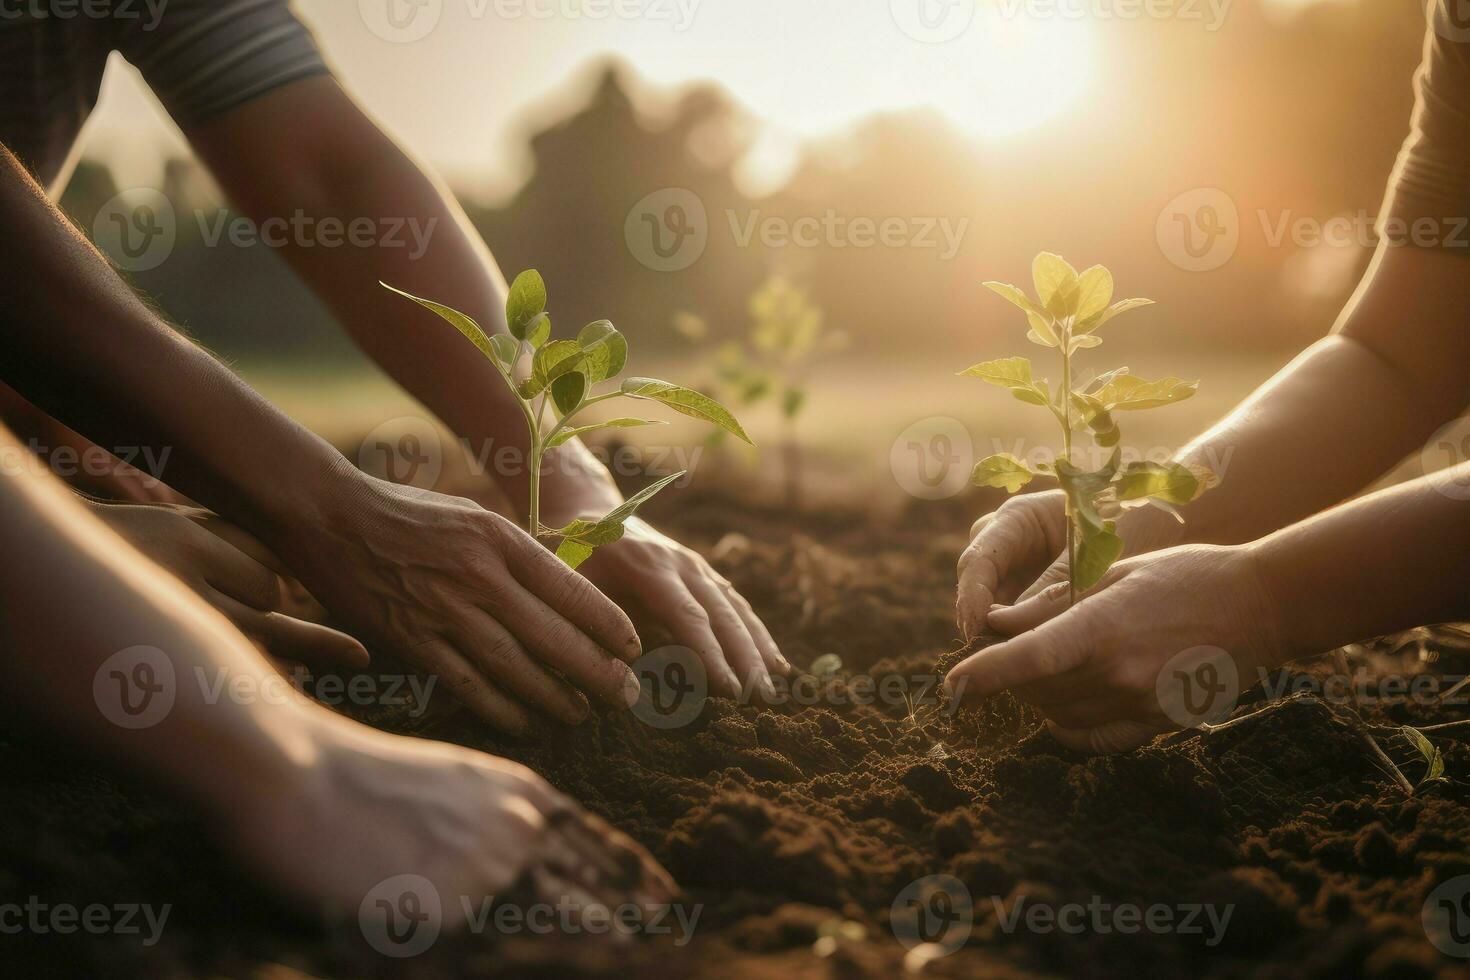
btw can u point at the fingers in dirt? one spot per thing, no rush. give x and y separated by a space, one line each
741 653
558 643
1053 648
689 623
578 600
775 660
465 683
501 657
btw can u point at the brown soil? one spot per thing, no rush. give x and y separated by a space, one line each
785 821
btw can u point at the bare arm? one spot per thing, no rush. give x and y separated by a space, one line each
1395 368
454 590
320 807
1340 415
332 161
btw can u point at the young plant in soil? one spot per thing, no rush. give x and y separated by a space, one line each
1065 315
561 378
787 335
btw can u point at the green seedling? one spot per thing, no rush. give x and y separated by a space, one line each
1065 315
787 336
560 380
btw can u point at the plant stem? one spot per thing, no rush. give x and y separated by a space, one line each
1066 394
533 520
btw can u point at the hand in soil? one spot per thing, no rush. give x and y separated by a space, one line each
232 572
465 595
1094 670
677 592
369 806
1020 548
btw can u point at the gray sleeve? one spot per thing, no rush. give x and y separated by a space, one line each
1428 199
202 57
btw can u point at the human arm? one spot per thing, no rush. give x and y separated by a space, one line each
332 162
450 588
1395 367
1386 562
319 806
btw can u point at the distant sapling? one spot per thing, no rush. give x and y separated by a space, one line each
560 378
1068 309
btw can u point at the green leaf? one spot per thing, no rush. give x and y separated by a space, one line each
1056 284
458 320
1122 306
1172 483
629 507
1097 551
1014 295
568 390
1001 470
527 298
1041 331
1081 341
1006 372
792 401
505 349
1127 393
538 331
556 359
1429 751
566 435
607 350
1094 292
685 401
573 552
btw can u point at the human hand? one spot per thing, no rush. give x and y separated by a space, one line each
369 806
464 595
673 587
1094 669
1021 548
233 572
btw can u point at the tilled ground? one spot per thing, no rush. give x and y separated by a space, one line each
797 826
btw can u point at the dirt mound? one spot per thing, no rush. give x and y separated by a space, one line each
802 827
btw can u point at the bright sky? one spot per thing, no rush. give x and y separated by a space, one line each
460 94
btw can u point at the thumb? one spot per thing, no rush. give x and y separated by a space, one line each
1055 647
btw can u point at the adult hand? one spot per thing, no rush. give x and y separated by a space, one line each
1021 548
233 572
673 587
1094 669
464 595
369 806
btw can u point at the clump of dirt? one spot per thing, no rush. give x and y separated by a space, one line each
797 826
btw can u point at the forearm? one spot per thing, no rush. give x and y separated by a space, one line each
54 662
1347 409
81 345
437 254
1393 560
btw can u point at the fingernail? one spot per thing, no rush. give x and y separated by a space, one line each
633 649
631 689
